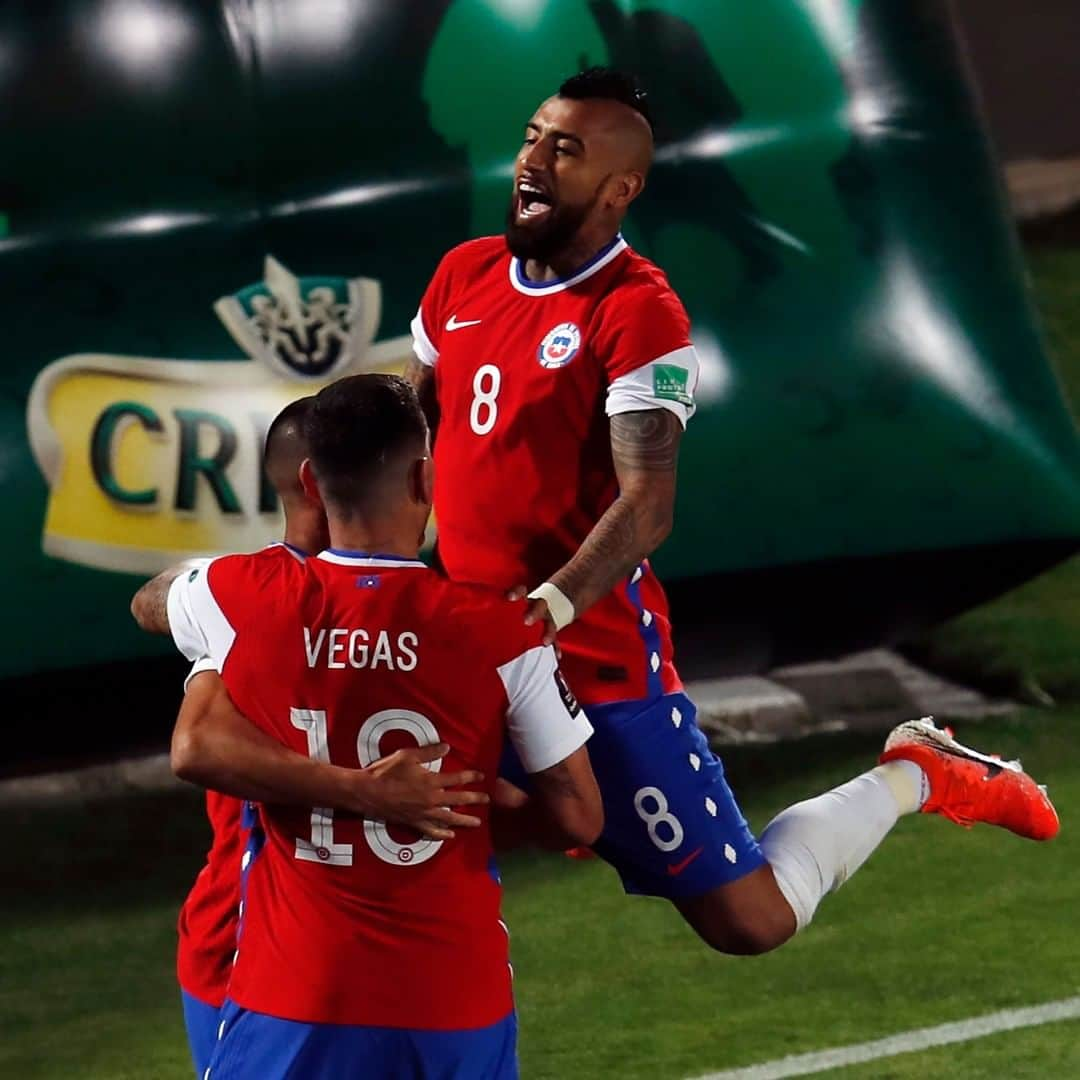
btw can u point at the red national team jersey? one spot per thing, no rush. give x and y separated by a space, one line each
207 924
348 658
525 373
206 928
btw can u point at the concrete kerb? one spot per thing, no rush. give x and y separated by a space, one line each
872 690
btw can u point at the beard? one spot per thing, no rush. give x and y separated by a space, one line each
546 239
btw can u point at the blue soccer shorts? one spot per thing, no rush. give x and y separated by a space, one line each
672 827
201 1021
253 1046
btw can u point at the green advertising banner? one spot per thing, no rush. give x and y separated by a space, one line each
208 209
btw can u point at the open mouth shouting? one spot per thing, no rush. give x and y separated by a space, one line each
534 202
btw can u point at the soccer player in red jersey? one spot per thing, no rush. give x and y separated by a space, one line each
557 371
215 745
360 948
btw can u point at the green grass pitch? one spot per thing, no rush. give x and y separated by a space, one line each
940 925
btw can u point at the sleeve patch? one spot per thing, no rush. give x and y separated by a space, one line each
567 695
672 382
198 625
541 723
668 382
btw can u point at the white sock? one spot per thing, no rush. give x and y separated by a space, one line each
816 845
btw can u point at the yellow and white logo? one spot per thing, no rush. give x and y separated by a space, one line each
152 460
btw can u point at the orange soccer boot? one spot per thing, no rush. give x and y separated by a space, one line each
967 786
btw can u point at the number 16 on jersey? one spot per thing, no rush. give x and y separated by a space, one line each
322 848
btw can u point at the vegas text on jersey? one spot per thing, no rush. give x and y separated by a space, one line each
347 657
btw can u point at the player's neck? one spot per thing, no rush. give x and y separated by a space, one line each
305 530
359 537
301 540
570 260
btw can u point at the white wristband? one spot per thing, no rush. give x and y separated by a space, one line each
558 603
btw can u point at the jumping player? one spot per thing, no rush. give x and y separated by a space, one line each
358 944
556 368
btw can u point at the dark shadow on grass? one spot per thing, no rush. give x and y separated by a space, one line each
103 855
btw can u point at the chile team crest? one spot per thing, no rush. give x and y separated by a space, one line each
559 346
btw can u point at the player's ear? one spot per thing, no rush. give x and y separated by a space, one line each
307 482
628 186
427 476
422 481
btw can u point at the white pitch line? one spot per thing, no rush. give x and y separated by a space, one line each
907 1041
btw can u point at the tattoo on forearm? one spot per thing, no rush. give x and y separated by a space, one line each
608 554
152 603
647 440
645 451
159 607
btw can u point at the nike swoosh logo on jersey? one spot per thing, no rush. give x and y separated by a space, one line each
453 324
675 869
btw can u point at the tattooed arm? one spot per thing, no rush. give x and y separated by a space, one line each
421 377
564 809
149 605
645 451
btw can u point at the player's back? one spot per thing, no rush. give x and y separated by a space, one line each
349 658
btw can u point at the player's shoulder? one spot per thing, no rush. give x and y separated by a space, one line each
645 281
267 569
640 316
478 253
490 625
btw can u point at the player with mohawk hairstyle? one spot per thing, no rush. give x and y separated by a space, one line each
557 370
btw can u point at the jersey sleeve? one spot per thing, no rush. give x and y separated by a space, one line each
430 317
544 721
210 604
644 345
199 628
204 663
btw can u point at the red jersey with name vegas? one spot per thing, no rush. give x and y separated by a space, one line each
526 376
348 658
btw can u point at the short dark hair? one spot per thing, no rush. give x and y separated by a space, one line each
286 426
609 84
355 429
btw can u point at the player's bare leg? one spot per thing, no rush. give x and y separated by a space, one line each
747 917
813 847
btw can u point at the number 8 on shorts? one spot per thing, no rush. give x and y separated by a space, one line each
658 816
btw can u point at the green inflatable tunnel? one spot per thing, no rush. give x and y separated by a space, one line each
209 207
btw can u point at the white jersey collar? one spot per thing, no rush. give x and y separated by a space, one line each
546 288
367 559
